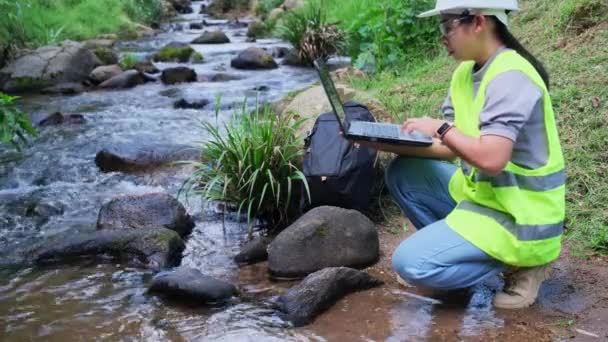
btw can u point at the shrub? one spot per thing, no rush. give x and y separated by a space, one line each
252 164
309 32
14 124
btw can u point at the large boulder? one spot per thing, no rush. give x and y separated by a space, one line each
132 157
156 248
68 88
127 79
320 290
104 73
324 237
254 58
178 75
147 211
212 37
192 286
48 66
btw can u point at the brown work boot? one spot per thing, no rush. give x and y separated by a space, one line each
521 288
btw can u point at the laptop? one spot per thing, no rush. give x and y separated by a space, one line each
363 130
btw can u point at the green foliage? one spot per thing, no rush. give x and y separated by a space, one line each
14 124
170 54
385 33
308 30
41 22
128 62
252 164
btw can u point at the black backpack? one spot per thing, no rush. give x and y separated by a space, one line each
338 173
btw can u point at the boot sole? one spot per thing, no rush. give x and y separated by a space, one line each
521 305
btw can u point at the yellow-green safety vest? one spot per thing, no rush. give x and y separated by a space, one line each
518 215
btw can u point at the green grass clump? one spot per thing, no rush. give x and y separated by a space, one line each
128 62
265 6
197 57
171 54
252 163
578 64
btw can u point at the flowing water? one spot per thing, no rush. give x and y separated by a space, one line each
54 186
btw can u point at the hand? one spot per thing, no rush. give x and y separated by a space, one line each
426 125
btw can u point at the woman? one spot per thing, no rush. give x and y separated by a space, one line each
503 209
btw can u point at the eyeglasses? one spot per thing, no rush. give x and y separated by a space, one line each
447 26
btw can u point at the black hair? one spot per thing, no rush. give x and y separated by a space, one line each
511 42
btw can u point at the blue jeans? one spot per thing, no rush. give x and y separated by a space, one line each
435 256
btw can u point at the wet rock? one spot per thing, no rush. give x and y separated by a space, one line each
133 157
104 73
293 59
145 212
250 40
237 24
223 77
146 67
191 285
253 251
174 52
184 104
320 290
255 29
157 248
171 92
261 88
69 88
203 10
182 6
167 9
254 58
127 79
48 66
212 37
178 75
58 118
196 26
279 52
106 55
324 237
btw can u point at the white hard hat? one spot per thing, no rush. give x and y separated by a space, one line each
496 8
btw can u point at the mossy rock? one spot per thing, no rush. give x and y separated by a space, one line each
256 29
174 54
106 56
25 84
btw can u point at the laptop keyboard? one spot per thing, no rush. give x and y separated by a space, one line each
375 129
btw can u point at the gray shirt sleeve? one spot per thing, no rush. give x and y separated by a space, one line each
511 98
447 108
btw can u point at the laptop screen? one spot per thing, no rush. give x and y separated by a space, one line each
331 92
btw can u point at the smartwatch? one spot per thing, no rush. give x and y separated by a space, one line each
443 129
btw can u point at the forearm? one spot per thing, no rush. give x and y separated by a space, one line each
436 151
475 152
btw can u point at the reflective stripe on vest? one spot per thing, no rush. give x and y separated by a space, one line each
522 232
518 215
